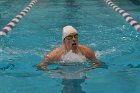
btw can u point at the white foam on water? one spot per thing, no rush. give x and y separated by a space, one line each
70 61
108 51
92 44
71 57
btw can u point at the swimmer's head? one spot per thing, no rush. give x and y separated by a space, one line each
70 37
68 30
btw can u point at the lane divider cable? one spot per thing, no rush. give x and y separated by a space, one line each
15 20
126 16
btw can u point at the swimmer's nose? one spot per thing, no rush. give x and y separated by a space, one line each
73 39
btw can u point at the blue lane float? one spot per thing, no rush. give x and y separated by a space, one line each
15 20
126 16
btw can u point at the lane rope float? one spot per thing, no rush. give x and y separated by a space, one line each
15 20
126 16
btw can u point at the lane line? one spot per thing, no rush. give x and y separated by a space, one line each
15 20
126 16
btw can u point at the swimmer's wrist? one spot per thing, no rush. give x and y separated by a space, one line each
89 68
42 67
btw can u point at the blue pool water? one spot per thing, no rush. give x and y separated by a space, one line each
113 40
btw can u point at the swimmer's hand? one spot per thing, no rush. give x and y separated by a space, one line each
57 71
42 67
85 69
89 68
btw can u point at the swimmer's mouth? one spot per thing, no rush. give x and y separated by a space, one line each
73 44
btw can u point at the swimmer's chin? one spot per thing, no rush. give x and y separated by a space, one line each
74 45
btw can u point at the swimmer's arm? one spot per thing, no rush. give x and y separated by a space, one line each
43 64
95 62
94 65
48 59
91 56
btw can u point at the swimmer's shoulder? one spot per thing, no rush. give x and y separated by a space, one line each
85 49
82 47
58 50
56 53
88 52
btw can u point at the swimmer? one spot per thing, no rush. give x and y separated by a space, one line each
70 43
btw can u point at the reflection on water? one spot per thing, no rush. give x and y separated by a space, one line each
72 85
70 72
71 80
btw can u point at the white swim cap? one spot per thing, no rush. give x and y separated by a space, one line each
68 30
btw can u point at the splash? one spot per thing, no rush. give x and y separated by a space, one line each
70 64
71 57
108 51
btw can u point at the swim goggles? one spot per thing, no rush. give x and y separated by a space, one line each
70 36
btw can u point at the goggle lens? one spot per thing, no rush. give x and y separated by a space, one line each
70 37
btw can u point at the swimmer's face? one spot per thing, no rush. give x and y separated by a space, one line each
71 41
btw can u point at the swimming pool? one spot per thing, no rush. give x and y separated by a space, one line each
114 41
